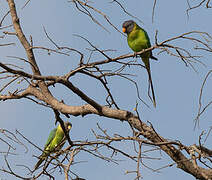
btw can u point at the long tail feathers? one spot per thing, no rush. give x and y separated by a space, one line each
147 65
152 89
39 163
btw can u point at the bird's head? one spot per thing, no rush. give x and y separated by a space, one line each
128 26
68 126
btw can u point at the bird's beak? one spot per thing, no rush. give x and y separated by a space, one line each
69 126
124 29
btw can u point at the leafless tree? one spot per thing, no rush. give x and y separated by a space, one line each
194 159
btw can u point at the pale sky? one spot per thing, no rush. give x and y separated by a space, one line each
177 87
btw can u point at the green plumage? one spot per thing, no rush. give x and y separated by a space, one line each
138 40
55 142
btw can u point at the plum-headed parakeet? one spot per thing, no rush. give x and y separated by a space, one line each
138 40
55 142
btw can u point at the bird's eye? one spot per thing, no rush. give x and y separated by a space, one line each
69 126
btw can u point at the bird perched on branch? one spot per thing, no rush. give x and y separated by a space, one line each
138 40
55 142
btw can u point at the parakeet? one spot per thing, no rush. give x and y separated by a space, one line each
55 142
138 40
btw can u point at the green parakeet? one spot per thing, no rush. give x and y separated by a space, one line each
138 40
55 142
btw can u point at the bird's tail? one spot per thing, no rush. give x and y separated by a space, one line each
147 65
41 159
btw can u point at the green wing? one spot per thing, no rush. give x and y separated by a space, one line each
138 39
147 38
50 138
55 143
43 156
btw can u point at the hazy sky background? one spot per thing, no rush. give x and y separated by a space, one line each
176 86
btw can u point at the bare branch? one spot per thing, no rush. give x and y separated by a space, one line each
200 109
22 37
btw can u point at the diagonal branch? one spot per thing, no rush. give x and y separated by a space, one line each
22 38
